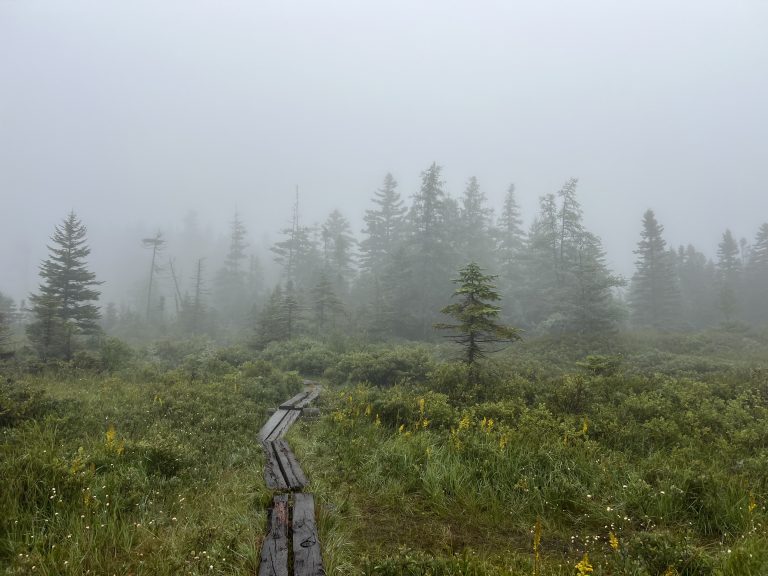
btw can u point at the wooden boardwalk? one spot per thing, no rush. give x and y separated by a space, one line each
292 515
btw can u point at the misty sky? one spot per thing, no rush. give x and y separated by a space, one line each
134 112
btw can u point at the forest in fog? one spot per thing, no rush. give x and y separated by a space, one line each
391 279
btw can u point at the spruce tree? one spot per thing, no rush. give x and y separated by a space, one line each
297 253
698 288
475 240
231 293
327 305
65 305
654 294
7 313
509 251
337 245
729 275
430 249
757 277
380 248
477 327
383 227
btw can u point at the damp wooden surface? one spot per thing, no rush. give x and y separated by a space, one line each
307 560
274 550
292 516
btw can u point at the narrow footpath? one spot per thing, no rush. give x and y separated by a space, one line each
292 515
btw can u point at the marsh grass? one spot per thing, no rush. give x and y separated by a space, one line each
133 474
647 474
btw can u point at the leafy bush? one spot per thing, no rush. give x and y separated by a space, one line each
306 356
382 367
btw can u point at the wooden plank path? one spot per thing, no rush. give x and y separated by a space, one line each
292 516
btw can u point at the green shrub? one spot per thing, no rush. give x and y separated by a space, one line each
382 367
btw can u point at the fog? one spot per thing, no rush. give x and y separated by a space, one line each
133 114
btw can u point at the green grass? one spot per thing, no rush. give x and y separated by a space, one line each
155 469
672 465
147 473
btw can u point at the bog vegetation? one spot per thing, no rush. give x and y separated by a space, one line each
625 434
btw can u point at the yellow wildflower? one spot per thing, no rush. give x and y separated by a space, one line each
583 568
613 541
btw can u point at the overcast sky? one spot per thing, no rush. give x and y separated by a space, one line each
134 112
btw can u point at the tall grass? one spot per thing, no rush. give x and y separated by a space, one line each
154 473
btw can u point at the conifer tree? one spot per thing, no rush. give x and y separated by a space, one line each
698 288
475 220
654 293
510 245
430 250
231 293
269 326
297 253
757 277
65 305
7 313
327 305
477 326
729 275
539 293
337 245
382 245
383 227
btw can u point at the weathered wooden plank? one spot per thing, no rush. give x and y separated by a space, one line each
308 399
289 404
292 472
272 423
274 550
306 546
273 475
284 425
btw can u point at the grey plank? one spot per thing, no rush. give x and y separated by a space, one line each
307 560
309 398
271 424
282 428
292 472
273 475
274 550
288 404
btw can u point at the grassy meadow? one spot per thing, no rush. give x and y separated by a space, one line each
153 470
644 456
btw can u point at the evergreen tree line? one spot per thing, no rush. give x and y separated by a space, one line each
394 281
553 277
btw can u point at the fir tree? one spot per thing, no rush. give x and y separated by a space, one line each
337 244
510 244
327 305
430 251
477 326
7 313
654 293
64 306
698 285
231 292
757 277
475 220
383 227
729 275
